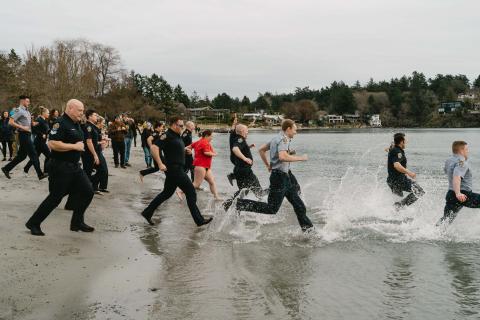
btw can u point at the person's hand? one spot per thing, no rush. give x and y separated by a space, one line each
26 129
411 174
96 160
79 146
461 197
252 145
248 161
304 157
162 167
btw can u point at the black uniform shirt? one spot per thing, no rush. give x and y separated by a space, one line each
242 144
67 131
396 154
187 140
173 148
90 131
233 137
41 129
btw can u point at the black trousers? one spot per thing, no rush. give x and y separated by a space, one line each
189 166
118 148
65 178
453 206
398 186
282 185
246 179
176 177
26 149
150 170
4 148
99 178
40 148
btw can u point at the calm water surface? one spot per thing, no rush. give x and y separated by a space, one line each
364 261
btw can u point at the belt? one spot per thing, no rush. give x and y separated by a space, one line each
279 171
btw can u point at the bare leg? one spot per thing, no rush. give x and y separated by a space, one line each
213 186
199 176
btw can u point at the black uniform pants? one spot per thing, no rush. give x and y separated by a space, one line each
453 206
176 177
150 170
282 185
26 149
65 178
8 143
189 166
246 179
404 184
118 148
40 148
100 180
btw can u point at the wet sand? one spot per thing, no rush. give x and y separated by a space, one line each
70 275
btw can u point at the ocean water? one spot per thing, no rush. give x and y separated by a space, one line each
363 261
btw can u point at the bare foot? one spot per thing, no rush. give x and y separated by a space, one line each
141 178
179 194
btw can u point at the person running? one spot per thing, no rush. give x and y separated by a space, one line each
151 140
147 132
41 131
187 140
202 162
7 135
399 177
231 140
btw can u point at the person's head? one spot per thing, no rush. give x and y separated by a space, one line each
54 114
399 140
100 122
91 115
176 124
190 125
289 127
159 126
207 134
75 109
24 100
44 112
5 114
242 130
118 119
460 148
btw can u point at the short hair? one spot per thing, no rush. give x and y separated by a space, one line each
287 123
158 124
458 145
206 133
23 97
173 120
42 109
89 112
398 138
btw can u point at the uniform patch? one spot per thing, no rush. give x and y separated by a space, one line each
89 129
163 137
53 132
461 163
184 135
285 140
240 140
56 126
399 155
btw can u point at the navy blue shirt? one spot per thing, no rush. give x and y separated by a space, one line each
173 148
396 154
242 144
67 131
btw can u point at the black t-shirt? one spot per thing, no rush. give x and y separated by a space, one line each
90 131
187 140
41 129
145 134
231 141
242 144
396 154
67 131
173 148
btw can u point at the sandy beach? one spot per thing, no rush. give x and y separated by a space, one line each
70 275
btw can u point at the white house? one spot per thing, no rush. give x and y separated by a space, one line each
375 121
333 118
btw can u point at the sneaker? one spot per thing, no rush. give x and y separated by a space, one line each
43 176
98 192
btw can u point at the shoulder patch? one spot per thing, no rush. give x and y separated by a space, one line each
163 136
56 125
89 129
184 134
240 140
461 163
284 140
399 155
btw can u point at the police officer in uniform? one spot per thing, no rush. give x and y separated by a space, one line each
187 140
282 182
460 183
150 141
231 140
243 161
22 121
399 177
173 148
66 174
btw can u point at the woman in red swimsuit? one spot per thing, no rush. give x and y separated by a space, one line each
203 161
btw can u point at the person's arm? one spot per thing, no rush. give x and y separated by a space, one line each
91 148
263 155
149 141
59 146
404 170
236 151
155 151
12 123
285 157
456 188
209 152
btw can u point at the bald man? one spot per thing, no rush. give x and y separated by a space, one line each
66 174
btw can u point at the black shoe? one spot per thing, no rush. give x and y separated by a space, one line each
82 227
10 159
34 230
116 166
104 190
230 178
124 167
6 173
128 164
148 218
206 221
43 176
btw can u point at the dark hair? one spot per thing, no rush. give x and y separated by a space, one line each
398 138
287 123
458 145
158 125
206 133
89 112
54 110
173 120
8 114
23 97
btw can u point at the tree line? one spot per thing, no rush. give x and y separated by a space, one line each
93 73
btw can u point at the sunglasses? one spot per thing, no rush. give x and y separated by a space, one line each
179 125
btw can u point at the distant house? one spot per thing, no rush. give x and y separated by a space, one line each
449 107
352 118
463 96
334 119
375 121
208 113
252 116
269 119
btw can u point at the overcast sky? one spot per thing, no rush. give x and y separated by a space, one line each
250 46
